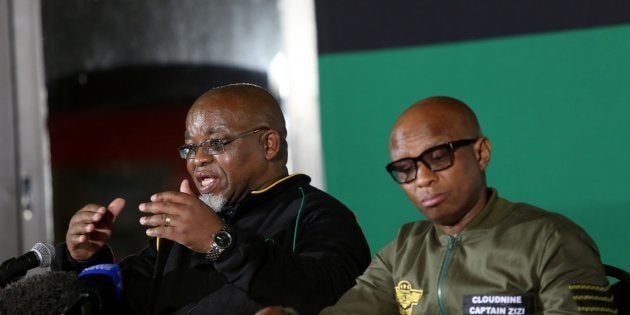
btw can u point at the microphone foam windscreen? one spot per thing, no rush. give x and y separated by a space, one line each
46 293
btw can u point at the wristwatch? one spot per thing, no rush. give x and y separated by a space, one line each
221 241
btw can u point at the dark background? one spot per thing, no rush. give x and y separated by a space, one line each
120 77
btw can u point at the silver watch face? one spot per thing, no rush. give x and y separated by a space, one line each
223 239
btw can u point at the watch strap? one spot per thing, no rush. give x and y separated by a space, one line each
215 250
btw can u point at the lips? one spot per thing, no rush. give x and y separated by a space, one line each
433 200
206 181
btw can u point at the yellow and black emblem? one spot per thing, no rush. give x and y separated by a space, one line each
407 297
593 298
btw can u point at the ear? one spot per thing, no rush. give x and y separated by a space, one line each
483 151
272 143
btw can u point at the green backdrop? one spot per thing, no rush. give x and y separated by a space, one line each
554 105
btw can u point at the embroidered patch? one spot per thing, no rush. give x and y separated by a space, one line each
518 304
593 298
407 297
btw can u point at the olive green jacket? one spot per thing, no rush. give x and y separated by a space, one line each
513 258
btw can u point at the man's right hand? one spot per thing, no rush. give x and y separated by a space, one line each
90 228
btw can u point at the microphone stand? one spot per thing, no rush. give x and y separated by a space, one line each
163 248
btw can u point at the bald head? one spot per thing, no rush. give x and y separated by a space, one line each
442 139
246 103
437 116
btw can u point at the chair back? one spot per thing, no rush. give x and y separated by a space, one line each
620 289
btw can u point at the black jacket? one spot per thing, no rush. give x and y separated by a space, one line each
294 245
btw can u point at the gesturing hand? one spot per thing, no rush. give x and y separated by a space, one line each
181 217
90 228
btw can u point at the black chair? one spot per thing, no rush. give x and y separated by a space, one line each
620 289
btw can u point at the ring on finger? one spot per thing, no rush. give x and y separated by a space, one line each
167 219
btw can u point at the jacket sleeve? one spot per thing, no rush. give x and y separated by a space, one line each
374 291
306 267
572 278
63 261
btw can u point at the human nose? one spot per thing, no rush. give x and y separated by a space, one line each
424 175
201 157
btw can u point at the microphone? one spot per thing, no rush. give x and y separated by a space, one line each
100 290
45 293
41 255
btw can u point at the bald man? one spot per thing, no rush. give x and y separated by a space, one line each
476 253
247 235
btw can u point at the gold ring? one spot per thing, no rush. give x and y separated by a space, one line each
167 220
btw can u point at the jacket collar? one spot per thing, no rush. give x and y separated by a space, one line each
495 210
492 214
277 183
259 196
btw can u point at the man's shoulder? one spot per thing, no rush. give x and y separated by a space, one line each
538 218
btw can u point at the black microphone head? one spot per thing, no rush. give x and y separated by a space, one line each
46 293
45 254
41 255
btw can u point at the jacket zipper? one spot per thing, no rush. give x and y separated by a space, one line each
447 257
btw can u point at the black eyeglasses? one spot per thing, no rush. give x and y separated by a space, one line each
212 146
436 159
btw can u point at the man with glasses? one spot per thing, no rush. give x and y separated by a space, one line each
476 253
255 235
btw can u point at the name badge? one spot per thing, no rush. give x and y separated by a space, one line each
499 304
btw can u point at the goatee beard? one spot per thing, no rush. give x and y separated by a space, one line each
216 202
